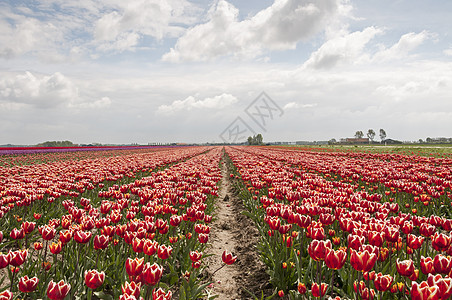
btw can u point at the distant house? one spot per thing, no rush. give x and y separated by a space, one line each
391 142
357 141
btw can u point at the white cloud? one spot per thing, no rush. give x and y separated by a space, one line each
406 44
39 91
104 102
189 103
448 52
296 105
278 27
345 48
121 28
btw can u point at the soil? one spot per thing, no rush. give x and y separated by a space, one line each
236 233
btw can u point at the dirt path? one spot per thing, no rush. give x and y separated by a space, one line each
236 233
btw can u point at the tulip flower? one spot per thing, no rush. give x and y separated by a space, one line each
316 290
444 285
318 249
135 266
383 282
405 267
131 289
427 265
5 259
362 260
426 229
65 236
152 273
440 241
301 288
56 248
17 234
58 291
424 291
335 259
203 238
28 227
228 258
18 257
101 242
159 294
376 238
94 279
355 241
195 255
47 232
442 264
414 242
150 247
6 295
28 285
82 237
163 252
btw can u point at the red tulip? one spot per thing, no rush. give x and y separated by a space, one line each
56 248
195 255
444 285
355 241
391 234
150 247
27 285
152 273
301 288
316 290
163 252
228 258
376 238
414 242
442 264
58 291
424 291
203 238
101 242
335 259
18 257
82 237
405 267
440 241
383 282
134 267
6 295
17 234
426 229
318 249
5 259
131 289
47 232
159 294
362 260
28 227
427 265
137 245
94 279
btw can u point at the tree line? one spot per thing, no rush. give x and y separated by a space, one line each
371 134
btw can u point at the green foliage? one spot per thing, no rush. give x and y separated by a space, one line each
56 144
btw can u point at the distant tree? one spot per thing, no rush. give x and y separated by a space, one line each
332 142
359 134
255 139
56 144
428 140
371 134
421 141
382 134
259 139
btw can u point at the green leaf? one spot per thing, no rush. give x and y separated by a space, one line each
102 295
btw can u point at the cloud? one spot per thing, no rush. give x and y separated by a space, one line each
278 27
448 52
344 48
407 43
39 91
189 103
295 105
122 28
104 102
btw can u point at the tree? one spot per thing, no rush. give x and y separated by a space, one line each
332 142
259 139
359 134
382 134
371 134
255 139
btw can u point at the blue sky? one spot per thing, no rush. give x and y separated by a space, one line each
144 71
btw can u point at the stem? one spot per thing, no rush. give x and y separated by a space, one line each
218 270
12 278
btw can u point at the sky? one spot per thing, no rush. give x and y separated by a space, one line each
158 71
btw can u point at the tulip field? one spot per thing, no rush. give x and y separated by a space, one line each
135 223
